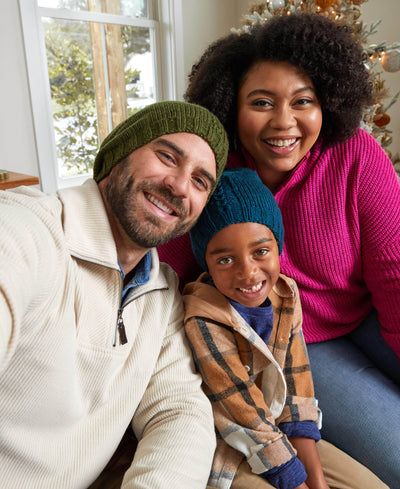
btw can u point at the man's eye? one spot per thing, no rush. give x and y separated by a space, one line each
201 183
165 156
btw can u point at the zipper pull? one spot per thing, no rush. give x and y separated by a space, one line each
121 329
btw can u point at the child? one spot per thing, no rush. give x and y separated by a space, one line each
243 322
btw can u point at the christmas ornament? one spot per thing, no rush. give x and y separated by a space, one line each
324 4
381 120
356 15
386 140
391 60
357 2
276 4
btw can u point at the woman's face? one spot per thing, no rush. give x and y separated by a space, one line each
279 118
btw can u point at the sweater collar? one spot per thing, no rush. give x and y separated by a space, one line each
87 231
203 300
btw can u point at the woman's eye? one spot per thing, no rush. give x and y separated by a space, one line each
261 252
262 103
303 101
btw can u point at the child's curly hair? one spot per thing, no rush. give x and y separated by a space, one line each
324 50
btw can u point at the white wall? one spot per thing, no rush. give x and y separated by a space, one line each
17 141
203 22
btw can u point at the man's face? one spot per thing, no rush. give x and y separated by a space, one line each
159 190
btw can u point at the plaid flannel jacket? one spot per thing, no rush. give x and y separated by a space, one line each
252 386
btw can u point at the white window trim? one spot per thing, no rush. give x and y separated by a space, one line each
169 73
171 55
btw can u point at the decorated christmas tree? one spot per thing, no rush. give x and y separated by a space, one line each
378 57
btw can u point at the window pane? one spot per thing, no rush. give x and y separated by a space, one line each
129 8
99 74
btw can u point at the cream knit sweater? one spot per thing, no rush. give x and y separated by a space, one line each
66 393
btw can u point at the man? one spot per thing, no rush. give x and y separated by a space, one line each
91 335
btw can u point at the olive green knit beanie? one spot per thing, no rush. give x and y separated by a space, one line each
155 121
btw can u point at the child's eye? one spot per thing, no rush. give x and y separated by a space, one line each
226 260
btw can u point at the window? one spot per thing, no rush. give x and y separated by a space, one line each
92 63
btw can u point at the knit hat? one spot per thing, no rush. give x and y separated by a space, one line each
154 121
240 196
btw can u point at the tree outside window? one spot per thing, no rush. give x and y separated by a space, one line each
99 73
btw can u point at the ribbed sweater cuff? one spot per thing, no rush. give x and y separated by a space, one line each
286 476
304 429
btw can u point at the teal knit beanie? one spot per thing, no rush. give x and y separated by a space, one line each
155 121
240 196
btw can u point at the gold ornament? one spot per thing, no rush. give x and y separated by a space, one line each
386 140
324 4
357 2
381 120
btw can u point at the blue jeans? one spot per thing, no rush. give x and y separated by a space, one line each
357 384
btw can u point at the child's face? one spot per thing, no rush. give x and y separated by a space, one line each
243 261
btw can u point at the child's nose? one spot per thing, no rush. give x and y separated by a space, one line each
247 268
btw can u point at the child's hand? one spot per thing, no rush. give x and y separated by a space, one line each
321 485
308 455
317 485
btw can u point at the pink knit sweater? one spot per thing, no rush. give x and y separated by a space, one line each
341 213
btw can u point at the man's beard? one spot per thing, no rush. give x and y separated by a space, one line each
146 232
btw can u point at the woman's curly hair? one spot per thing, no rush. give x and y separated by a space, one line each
324 50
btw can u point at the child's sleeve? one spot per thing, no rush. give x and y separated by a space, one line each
301 405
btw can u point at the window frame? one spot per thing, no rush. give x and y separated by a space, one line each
168 63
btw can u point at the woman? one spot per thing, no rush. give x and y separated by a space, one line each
290 94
